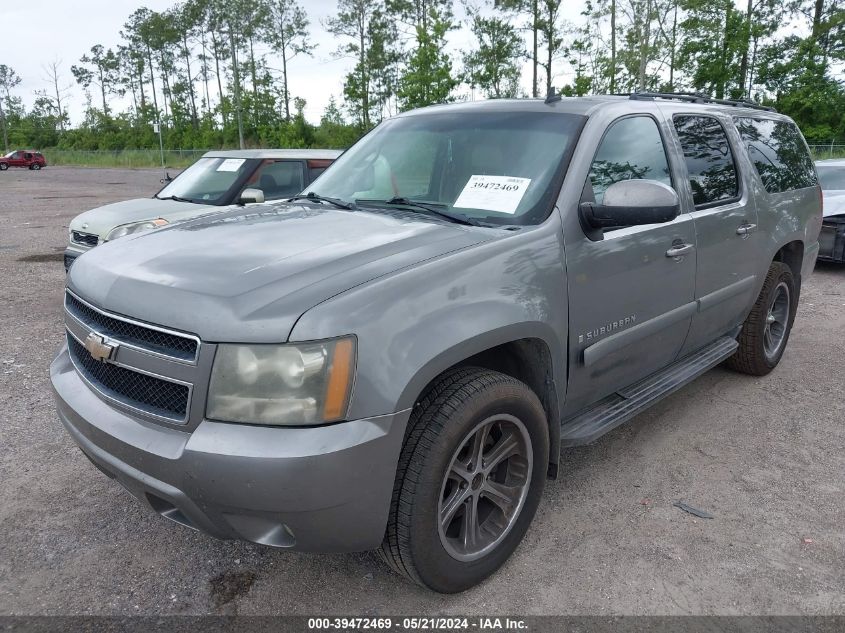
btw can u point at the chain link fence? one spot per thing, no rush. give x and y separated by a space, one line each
831 150
123 157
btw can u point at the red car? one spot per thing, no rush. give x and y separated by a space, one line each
23 158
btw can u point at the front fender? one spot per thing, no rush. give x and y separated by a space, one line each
418 322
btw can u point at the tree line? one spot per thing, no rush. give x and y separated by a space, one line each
215 73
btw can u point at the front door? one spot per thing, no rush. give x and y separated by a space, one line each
631 293
725 226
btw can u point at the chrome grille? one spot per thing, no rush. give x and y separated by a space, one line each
150 394
85 239
146 337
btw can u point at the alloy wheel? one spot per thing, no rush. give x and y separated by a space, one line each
777 320
485 487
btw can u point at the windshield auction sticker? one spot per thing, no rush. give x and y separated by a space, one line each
493 193
231 164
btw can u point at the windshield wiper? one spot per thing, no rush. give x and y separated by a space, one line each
399 201
176 198
340 204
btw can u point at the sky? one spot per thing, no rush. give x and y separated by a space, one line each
35 33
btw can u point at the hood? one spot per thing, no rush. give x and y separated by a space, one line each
247 275
103 219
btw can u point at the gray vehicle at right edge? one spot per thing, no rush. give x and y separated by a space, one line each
394 359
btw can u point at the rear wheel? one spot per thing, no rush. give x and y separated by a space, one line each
765 332
469 480
36 166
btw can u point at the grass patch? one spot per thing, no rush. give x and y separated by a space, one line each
127 158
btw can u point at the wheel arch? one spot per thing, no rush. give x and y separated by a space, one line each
791 254
526 356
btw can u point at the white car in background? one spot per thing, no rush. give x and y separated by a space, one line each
832 238
216 180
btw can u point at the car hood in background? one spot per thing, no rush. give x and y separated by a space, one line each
103 219
247 275
834 203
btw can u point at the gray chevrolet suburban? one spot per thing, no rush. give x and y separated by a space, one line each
394 359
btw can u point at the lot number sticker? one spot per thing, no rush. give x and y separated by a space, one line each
231 164
493 193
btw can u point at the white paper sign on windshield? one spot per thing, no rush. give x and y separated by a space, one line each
231 164
493 193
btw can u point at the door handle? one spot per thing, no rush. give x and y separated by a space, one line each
746 229
680 250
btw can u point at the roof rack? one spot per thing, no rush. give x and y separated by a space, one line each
696 97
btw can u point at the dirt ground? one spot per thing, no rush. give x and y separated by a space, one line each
765 456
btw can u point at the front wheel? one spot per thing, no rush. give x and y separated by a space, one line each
766 330
4 166
469 479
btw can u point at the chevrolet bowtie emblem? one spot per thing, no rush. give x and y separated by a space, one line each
99 347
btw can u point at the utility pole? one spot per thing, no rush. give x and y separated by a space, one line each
157 130
237 78
3 122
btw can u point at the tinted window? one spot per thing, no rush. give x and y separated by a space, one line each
279 179
709 160
832 178
779 153
631 149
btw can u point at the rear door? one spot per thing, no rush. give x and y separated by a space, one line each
631 299
717 194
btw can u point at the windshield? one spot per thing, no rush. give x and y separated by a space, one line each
208 181
497 167
832 178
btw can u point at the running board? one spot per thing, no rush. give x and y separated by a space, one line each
623 405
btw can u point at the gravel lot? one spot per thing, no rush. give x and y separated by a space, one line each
765 456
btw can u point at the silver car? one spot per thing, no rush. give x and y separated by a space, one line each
395 360
832 238
216 180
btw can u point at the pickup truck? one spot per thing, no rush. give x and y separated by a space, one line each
395 359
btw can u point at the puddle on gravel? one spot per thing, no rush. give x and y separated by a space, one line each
230 585
43 257
65 197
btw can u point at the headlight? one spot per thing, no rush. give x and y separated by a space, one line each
282 385
135 227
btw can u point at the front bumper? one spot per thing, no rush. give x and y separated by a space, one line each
322 489
71 253
832 239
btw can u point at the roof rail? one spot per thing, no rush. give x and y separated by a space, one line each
697 97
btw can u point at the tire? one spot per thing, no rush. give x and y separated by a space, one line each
36 166
443 431
4 166
765 332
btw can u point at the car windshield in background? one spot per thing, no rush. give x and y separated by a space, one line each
492 167
832 178
208 180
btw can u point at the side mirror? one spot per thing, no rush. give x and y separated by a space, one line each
251 195
632 203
